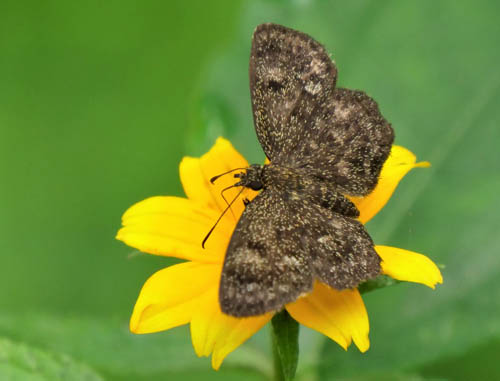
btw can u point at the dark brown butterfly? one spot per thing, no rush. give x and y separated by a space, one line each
323 143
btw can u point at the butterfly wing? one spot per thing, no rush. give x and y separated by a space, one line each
265 266
350 142
286 66
280 246
303 121
340 249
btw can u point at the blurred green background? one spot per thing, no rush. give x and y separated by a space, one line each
100 100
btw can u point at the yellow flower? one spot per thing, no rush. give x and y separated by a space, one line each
188 292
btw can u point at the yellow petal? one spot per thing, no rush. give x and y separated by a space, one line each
196 173
170 297
174 226
340 315
409 266
220 334
399 163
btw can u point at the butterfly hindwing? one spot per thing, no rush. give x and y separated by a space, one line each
303 121
350 141
340 250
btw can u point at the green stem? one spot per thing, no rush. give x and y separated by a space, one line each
277 369
285 342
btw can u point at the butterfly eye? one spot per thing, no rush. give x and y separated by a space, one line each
255 185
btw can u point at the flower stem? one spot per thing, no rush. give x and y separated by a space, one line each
285 342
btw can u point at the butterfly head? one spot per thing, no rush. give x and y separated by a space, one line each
251 178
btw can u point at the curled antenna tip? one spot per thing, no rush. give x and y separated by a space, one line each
212 180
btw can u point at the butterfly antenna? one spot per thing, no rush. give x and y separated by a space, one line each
224 198
220 217
212 180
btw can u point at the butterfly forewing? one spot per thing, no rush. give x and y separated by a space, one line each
265 265
286 66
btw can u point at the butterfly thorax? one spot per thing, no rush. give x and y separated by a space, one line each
295 184
252 177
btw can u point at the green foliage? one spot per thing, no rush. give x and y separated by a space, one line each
119 351
107 346
100 101
24 363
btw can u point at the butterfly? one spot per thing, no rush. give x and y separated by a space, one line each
323 143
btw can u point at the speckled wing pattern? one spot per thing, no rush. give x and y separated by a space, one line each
323 143
303 121
264 265
280 246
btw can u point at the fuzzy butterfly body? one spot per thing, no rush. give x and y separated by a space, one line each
323 143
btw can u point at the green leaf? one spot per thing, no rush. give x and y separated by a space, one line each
108 346
105 344
285 336
19 361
